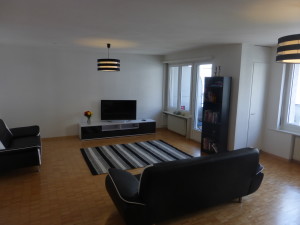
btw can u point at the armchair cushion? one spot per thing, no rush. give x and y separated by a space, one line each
24 143
25 131
5 135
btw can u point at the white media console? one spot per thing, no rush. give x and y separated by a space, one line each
106 129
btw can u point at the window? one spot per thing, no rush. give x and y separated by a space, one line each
203 70
185 85
290 120
173 82
185 97
180 78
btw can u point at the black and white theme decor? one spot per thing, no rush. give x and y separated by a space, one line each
130 156
19 146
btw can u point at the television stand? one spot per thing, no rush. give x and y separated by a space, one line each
107 129
117 121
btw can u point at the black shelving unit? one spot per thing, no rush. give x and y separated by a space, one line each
106 129
215 116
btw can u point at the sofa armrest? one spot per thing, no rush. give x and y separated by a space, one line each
25 131
126 185
260 168
256 181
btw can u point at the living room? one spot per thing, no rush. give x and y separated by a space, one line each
50 80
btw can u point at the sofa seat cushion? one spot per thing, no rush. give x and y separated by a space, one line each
24 143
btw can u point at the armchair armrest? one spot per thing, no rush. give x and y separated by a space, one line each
126 185
29 148
25 131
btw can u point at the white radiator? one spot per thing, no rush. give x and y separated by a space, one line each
177 124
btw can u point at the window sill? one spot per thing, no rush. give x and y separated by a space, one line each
180 116
287 132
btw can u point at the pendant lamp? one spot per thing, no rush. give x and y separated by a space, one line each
288 49
108 64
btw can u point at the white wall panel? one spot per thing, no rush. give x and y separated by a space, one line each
52 87
296 154
274 142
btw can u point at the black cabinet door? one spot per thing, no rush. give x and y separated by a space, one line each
91 132
99 131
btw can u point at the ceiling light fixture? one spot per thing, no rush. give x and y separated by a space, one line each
288 49
108 64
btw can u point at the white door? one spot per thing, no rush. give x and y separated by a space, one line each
257 102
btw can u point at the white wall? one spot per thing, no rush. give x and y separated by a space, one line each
250 54
52 87
229 58
296 152
275 142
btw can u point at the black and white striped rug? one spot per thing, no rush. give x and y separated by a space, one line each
130 156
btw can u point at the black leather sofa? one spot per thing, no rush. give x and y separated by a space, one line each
171 189
19 147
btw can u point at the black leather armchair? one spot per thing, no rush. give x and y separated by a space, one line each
170 189
19 147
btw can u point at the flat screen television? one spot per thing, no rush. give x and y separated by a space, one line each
118 109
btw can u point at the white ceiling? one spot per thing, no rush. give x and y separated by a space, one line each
146 26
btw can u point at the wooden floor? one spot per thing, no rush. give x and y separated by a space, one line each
65 192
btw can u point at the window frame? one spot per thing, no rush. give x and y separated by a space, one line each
169 107
287 94
197 81
179 82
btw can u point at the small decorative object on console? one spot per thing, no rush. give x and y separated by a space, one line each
88 114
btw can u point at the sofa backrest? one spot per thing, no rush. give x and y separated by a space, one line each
173 188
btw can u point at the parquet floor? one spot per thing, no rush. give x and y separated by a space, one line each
65 192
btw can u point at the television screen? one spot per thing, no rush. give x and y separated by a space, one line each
118 109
